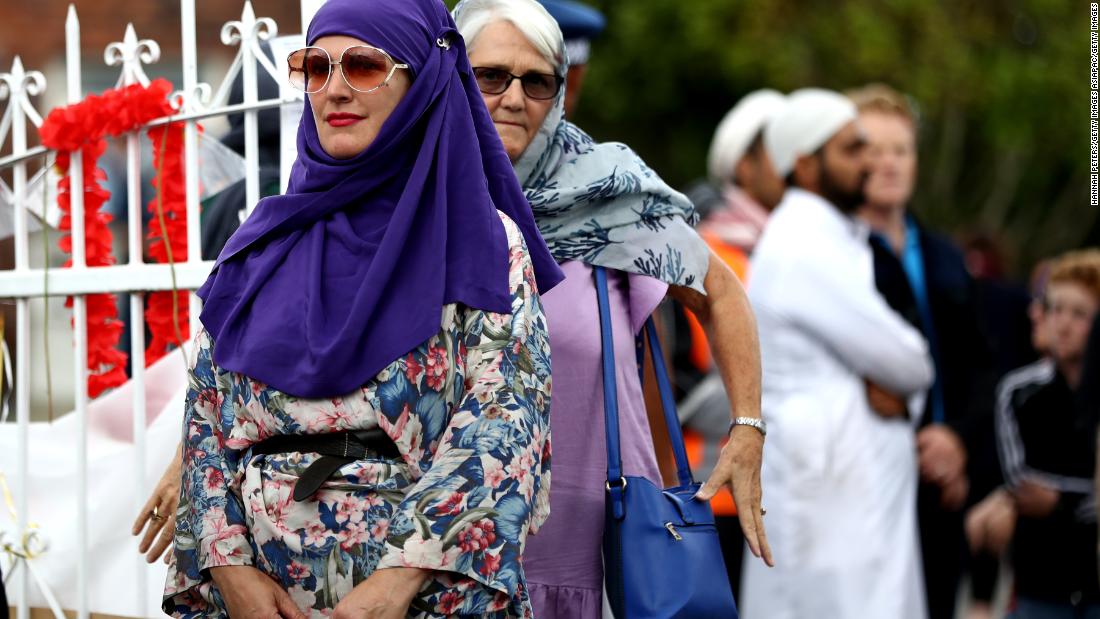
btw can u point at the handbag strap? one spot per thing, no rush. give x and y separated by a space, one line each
616 482
668 406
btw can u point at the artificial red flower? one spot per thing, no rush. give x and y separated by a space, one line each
84 126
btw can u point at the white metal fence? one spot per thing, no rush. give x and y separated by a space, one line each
195 101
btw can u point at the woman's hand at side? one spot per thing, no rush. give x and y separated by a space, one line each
386 594
739 469
250 594
165 499
726 314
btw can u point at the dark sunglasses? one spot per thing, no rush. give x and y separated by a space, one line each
540 86
365 68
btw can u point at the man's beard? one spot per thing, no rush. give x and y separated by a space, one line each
847 200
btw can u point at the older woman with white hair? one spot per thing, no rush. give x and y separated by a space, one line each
600 205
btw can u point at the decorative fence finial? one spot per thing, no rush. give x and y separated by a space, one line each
19 86
132 53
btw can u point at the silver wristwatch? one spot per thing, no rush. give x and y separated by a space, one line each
759 424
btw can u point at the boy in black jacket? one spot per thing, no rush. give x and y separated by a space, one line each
1048 457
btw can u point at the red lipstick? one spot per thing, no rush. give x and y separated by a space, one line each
342 119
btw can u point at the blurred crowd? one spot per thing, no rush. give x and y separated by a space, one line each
976 421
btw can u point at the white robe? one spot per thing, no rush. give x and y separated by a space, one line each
840 482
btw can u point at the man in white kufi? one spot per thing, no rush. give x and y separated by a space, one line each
841 373
738 165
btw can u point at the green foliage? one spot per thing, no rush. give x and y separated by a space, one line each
1002 89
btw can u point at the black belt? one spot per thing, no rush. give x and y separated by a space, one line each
336 449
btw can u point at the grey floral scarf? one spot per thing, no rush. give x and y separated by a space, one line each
602 205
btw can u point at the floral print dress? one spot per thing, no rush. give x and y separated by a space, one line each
469 413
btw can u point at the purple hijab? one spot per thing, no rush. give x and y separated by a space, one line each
323 287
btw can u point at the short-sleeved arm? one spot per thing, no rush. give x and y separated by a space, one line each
488 483
857 324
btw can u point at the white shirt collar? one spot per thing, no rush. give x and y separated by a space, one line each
828 214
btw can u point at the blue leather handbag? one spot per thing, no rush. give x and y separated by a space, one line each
661 552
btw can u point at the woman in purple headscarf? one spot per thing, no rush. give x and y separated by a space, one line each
366 425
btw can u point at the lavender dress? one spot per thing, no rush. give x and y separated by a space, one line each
563 562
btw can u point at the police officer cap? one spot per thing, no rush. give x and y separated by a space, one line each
577 21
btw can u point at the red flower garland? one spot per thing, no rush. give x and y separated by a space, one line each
85 125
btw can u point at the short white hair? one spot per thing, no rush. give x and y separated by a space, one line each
530 17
